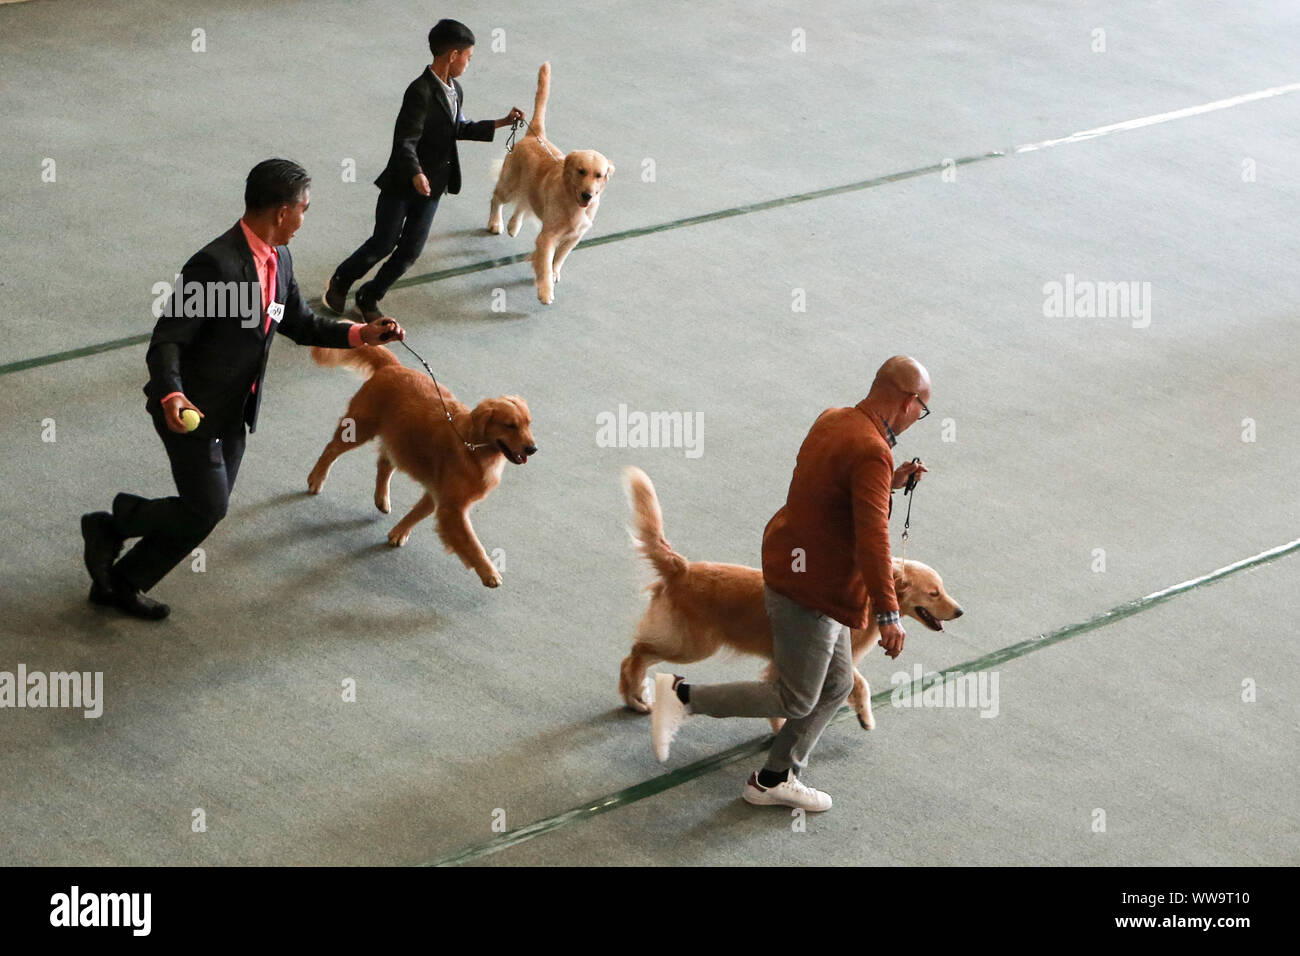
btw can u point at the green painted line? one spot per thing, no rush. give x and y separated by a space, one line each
699 768
487 264
70 354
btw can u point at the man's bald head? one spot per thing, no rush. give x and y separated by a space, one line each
894 393
903 375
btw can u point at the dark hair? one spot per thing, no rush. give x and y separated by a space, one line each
274 182
448 35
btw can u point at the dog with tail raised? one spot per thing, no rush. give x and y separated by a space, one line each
698 608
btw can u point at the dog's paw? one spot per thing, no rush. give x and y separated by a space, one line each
492 580
494 228
866 720
641 702
777 723
315 483
555 278
545 296
397 537
383 503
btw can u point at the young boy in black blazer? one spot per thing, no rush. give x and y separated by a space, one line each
422 166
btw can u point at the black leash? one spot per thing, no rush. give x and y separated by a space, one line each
437 388
907 493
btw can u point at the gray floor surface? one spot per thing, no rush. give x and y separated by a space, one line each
1070 434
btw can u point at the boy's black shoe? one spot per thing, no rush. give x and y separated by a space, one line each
125 596
100 595
103 545
336 296
140 606
367 306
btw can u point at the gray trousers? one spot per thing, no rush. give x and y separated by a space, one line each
814 668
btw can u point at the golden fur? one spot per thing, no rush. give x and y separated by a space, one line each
563 192
401 406
698 608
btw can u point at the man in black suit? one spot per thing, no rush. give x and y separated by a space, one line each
208 358
423 165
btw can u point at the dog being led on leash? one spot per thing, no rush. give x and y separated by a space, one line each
698 608
455 453
562 191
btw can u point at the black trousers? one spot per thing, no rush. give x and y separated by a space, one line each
204 465
402 223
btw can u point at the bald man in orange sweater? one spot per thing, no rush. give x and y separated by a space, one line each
826 560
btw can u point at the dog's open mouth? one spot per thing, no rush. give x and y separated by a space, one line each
505 450
928 619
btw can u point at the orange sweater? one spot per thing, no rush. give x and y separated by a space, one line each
828 547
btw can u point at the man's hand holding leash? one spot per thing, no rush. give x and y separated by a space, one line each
382 330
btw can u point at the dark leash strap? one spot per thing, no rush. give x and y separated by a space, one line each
437 388
510 140
907 493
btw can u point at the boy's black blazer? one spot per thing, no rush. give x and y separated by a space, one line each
424 139
208 342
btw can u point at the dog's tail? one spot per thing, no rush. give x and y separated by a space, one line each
366 359
647 529
538 126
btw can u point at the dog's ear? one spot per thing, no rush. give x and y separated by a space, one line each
481 417
609 172
901 580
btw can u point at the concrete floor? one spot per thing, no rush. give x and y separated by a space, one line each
1071 434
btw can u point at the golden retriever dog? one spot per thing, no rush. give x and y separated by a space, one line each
698 608
562 191
403 408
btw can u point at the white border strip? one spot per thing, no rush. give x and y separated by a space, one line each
1161 118
1227 569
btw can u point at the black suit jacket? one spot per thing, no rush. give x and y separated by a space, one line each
209 342
424 139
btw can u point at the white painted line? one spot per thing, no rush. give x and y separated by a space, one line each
1161 118
1227 569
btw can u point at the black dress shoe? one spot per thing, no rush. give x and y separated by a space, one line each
367 306
103 545
100 595
127 597
336 296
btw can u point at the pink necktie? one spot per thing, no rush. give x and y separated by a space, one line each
273 264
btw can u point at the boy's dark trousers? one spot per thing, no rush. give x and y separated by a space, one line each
402 225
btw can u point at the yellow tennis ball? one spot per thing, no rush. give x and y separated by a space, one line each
190 418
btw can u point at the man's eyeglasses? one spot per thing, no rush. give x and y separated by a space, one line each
925 409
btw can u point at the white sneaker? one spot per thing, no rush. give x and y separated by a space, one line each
667 713
789 793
